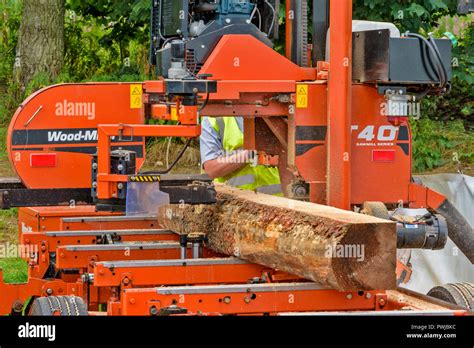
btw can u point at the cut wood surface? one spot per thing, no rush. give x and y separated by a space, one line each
337 249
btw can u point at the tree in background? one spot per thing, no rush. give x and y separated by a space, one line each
40 48
107 39
10 16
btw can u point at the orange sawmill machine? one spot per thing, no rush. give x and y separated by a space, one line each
334 112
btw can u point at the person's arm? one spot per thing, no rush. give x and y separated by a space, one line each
223 166
214 162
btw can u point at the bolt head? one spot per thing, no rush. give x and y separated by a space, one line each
349 296
300 191
18 306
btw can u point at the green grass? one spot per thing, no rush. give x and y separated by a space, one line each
9 226
442 146
5 168
14 270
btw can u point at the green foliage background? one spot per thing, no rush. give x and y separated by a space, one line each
107 40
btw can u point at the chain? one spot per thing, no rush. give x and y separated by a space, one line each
51 307
73 300
67 306
59 305
459 288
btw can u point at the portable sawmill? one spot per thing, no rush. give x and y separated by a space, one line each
333 111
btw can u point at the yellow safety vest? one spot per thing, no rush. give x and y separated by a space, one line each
258 178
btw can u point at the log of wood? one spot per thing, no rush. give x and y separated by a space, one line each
337 249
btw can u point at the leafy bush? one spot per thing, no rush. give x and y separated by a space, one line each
437 144
93 55
411 15
459 104
444 136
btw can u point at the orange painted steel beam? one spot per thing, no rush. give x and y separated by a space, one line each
157 86
49 242
339 106
236 88
87 256
246 299
175 272
424 197
106 188
288 29
57 239
103 224
248 104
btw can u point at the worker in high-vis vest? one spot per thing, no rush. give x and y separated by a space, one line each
224 159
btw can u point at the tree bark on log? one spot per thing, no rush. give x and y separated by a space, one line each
40 48
337 249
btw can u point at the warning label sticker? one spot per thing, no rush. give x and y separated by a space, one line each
302 96
136 96
174 114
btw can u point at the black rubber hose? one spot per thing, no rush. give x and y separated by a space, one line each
433 43
204 104
436 48
439 67
178 158
459 229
